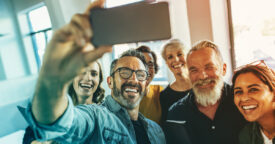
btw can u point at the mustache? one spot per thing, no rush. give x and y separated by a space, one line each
204 81
130 85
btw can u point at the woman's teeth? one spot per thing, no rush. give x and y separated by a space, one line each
86 85
249 107
177 66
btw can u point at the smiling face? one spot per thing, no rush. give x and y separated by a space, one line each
206 71
86 83
175 60
150 62
127 92
253 97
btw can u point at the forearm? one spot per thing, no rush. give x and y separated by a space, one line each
49 101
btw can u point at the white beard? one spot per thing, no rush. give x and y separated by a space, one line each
207 97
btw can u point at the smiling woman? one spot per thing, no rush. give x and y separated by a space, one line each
86 87
254 95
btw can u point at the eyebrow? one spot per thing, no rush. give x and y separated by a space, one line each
248 86
93 71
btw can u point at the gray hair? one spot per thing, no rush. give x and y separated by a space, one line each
130 52
206 43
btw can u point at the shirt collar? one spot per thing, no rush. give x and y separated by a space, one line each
115 107
111 104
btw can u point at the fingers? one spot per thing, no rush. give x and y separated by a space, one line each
95 4
96 54
82 21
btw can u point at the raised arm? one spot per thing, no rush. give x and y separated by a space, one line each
68 52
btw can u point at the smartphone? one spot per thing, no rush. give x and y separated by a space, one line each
130 23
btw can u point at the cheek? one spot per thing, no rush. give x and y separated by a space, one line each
236 100
193 77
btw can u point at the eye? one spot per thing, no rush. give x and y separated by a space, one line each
170 57
253 90
179 54
209 67
238 92
193 70
94 74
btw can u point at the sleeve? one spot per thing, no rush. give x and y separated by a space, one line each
72 126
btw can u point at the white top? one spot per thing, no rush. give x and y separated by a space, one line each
266 139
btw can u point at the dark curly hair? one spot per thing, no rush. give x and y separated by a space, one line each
98 95
146 49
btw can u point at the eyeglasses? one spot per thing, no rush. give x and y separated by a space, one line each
256 63
126 73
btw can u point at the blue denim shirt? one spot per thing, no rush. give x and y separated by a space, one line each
109 123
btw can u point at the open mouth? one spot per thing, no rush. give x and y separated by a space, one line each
177 66
85 85
131 90
249 107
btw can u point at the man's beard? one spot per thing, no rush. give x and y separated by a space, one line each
122 100
207 97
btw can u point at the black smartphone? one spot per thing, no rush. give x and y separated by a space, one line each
130 23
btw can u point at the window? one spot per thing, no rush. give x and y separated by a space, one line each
155 46
40 31
254 31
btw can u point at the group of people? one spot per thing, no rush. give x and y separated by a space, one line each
69 105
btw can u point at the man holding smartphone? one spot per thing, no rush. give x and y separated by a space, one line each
52 114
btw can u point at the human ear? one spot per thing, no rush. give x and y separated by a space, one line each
224 68
110 82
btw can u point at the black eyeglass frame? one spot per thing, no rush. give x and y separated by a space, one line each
136 71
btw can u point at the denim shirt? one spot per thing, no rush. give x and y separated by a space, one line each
108 123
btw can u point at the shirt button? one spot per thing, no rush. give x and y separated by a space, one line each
213 127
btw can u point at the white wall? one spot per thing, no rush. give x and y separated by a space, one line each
208 19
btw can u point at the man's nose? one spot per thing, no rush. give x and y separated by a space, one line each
203 74
133 77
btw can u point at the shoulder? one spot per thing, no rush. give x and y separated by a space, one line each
153 125
181 102
180 106
249 133
166 89
155 89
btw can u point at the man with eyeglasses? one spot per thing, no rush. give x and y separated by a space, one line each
52 115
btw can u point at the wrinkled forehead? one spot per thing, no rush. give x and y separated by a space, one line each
130 62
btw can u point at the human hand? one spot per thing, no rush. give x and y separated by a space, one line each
70 49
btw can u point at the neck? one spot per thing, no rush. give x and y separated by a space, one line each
133 113
209 111
85 99
267 124
181 84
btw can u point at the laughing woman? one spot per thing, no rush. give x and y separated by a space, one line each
174 54
254 95
85 89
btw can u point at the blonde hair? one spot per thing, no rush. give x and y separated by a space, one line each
173 43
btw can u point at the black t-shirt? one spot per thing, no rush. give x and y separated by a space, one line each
167 98
223 129
141 134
